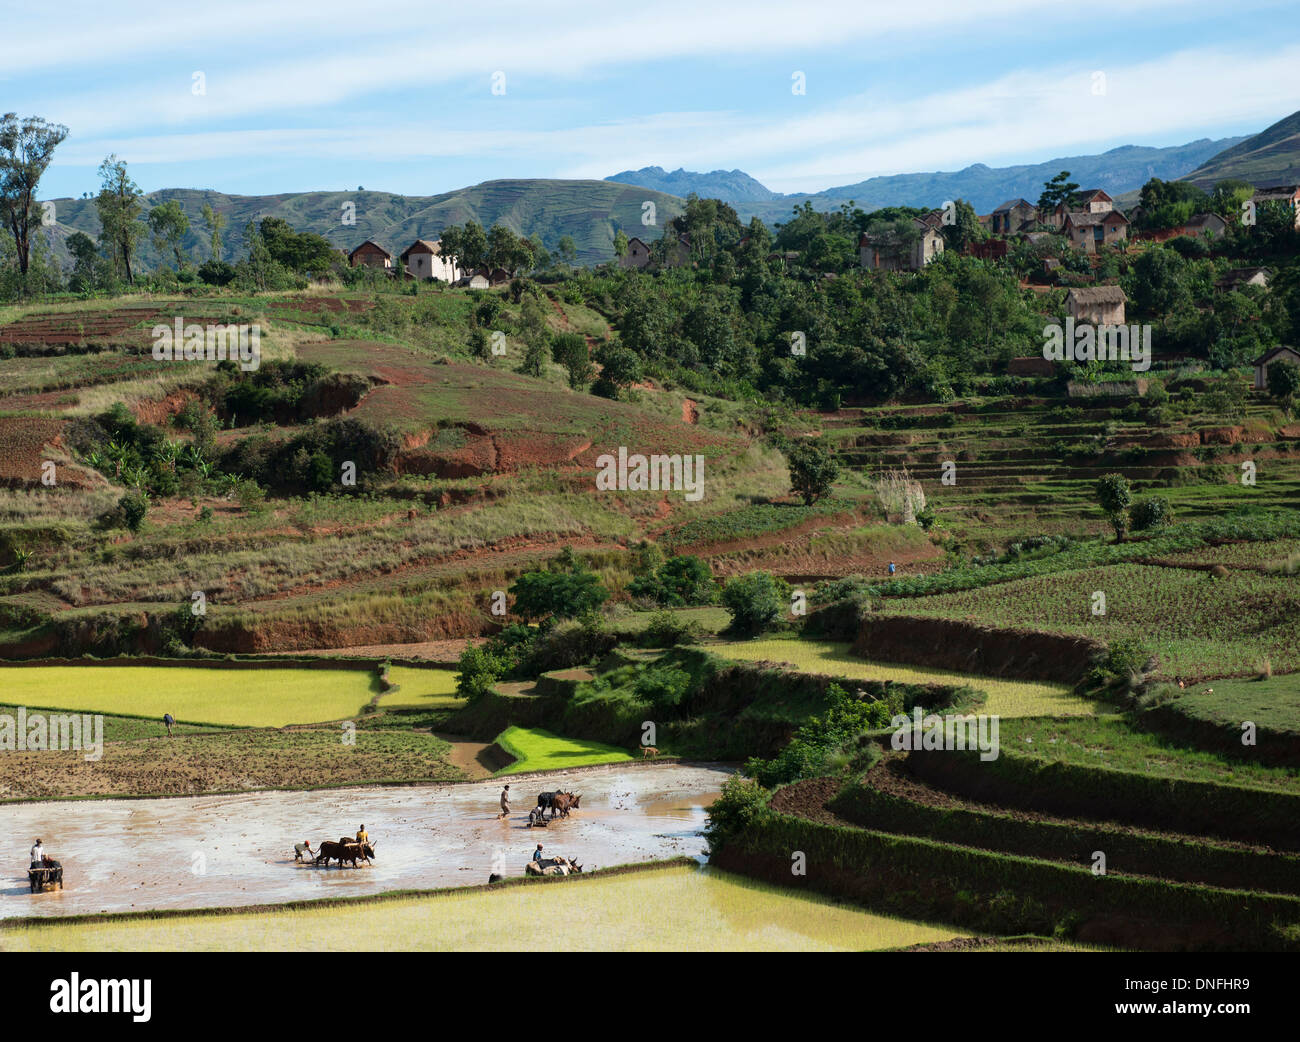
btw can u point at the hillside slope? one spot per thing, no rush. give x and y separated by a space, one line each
1270 157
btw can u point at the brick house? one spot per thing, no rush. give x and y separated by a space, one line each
637 256
1012 216
891 252
424 260
1089 231
1097 305
372 255
1090 200
1236 278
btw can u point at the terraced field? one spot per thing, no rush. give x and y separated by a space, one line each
1006 697
1199 626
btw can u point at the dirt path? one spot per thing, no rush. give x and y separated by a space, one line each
215 851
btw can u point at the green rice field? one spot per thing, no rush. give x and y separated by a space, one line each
538 750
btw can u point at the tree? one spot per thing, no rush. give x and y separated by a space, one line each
570 350
1060 189
680 581
1115 496
134 506
1158 283
813 470
965 229
119 205
85 262
558 595
755 601
567 249
169 225
619 369
26 148
1284 383
304 252
468 245
215 223
620 243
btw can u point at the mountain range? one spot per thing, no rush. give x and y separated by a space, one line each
593 212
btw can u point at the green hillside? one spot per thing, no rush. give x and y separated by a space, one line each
1270 157
590 211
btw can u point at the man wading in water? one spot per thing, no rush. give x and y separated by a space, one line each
505 803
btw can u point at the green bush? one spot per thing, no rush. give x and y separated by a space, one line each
1151 512
755 601
478 669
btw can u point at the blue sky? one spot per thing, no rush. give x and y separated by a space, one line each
399 96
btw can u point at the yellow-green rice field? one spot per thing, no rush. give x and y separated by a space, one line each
264 697
421 689
1006 697
675 908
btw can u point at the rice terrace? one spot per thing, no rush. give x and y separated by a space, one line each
511 560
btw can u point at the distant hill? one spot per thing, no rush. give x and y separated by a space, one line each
1121 169
1271 157
590 211
729 185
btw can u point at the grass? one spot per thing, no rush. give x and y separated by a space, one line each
538 750
1272 704
1107 741
268 697
677 908
1006 697
711 620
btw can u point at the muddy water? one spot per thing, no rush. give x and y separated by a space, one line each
213 851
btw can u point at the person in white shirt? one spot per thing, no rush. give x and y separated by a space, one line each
38 854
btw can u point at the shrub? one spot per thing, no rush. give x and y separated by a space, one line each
571 643
478 669
741 806
133 507
663 688
1152 512
681 581
755 601
664 631
561 595
813 470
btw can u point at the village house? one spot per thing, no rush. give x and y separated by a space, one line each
1278 354
637 256
1090 200
1236 278
424 260
1206 225
371 255
1096 305
1287 194
1013 216
890 252
1089 231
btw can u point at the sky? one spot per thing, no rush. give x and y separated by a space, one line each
265 97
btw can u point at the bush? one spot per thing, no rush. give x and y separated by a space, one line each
478 669
1152 512
663 688
755 601
681 581
561 595
664 631
741 806
133 507
571 643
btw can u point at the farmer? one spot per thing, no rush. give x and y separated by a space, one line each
505 803
891 567
537 854
38 854
168 719
302 849
362 836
